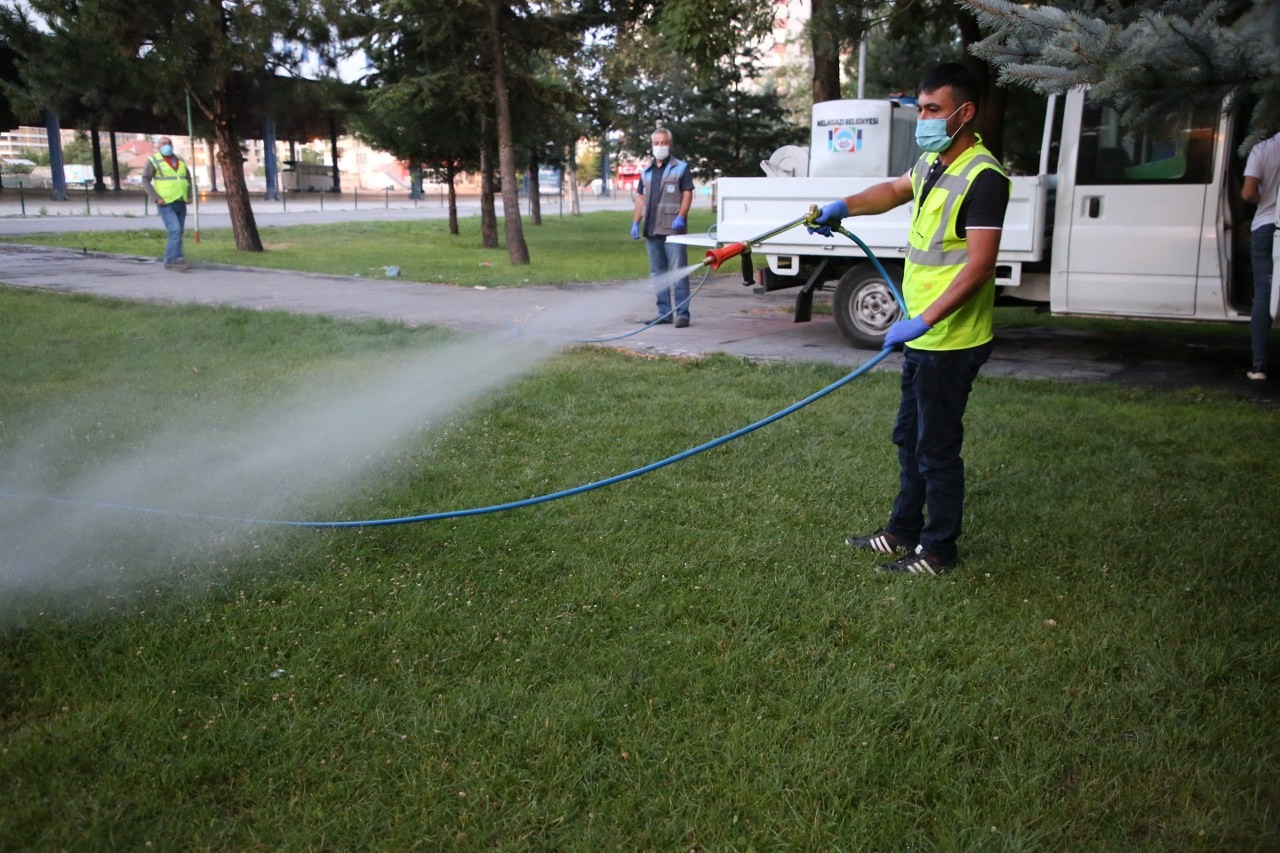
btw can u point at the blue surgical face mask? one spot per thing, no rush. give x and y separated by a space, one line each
166 150
931 133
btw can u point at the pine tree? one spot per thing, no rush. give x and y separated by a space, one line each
1149 58
454 85
106 55
425 93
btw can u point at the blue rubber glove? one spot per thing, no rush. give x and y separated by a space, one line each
635 230
905 330
678 224
829 217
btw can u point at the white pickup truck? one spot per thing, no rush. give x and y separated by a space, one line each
1144 224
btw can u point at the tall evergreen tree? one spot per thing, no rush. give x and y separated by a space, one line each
481 62
1148 57
546 110
721 126
425 95
498 31
702 33
930 31
219 53
522 37
42 55
835 27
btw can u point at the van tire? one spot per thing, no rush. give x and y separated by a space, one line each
864 306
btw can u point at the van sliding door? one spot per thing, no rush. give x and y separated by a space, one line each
1136 214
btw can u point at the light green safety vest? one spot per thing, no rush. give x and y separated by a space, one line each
171 184
935 254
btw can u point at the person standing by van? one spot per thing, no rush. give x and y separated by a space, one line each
663 198
959 193
1261 183
168 181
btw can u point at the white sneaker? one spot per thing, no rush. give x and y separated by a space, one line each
1257 375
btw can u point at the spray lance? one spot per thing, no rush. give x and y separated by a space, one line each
715 257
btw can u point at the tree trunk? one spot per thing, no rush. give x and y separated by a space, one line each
575 206
333 150
826 79
517 249
243 225
212 145
451 178
825 45
990 123
415 182
98 185
535 190
53 131
488 217
115 163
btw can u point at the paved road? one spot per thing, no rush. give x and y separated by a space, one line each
727 318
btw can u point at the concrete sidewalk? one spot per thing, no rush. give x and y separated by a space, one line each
727 318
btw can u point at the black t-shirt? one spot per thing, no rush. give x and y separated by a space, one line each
984 205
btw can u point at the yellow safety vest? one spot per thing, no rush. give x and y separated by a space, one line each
171 184
935 254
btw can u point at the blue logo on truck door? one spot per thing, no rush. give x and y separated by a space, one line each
844 140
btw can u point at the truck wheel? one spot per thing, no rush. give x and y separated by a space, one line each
864 306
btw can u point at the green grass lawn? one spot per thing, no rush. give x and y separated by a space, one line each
593 247
691 660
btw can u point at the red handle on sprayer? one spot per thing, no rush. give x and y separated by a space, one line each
715 257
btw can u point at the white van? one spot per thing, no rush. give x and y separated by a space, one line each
1148 224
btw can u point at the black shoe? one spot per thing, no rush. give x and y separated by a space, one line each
881 541
658 321
682 322
917 563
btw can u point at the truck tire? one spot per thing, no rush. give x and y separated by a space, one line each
864 306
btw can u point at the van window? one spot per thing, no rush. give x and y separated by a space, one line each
1177 150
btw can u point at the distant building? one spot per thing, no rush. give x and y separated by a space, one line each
788 45
14 142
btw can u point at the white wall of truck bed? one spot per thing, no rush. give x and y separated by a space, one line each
749 207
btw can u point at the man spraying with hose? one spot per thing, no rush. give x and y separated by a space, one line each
959 194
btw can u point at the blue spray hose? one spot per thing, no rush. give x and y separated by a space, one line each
661 318
564 493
